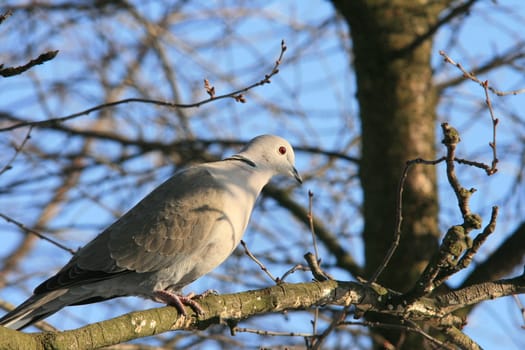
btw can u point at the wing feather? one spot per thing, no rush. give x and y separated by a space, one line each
163 228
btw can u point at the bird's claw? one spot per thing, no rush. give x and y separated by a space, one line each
179 301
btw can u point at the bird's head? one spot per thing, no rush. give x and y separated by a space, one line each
272 153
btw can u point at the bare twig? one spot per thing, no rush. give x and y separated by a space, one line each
318 273
70 179
521 308
258 262
313 262
5 16
492 169
311 222
337 320
36 233
237 95
412 328
399 215
272 333
457 249
488 169
18 149
10 71
297 267
495 122
473 77
329 239
314 326
456 241
210 90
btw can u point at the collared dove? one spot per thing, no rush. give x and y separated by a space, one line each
179 232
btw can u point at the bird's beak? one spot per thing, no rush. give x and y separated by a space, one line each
296 175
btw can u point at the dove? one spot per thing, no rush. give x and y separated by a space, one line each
179 232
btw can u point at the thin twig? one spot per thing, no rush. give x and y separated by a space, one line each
237 95
313 262
413 328
5 16
522 309
311 222
258 262
337 320
488 169
473 77
318 273
297 267
450 140
314 322
18 149
493 169
399 215
272 333
10 71
36 233
457 249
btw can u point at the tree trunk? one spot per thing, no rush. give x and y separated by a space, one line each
398 116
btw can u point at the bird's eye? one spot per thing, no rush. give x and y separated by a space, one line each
282 150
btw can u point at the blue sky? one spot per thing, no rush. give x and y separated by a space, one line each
313 95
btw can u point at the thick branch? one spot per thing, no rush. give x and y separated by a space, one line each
477 293
232 308
218 309
454 12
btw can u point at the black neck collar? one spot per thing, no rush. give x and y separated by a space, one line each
242 159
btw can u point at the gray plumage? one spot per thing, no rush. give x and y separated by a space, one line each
182 230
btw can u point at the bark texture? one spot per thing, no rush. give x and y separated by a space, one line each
398 116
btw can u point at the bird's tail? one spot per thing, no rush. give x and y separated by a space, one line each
35 308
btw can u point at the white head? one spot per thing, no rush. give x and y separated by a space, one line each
272 153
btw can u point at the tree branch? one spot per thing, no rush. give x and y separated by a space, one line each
332 243
219 309
502 261
231 308
477 293
10 71
236 95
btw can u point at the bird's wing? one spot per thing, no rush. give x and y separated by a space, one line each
169 224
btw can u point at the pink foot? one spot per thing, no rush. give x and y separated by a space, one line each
202 295
178 301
